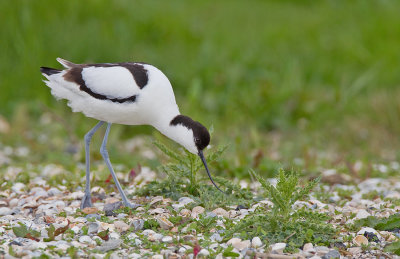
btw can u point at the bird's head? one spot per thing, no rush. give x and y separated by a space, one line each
193 136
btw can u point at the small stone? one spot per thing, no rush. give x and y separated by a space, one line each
196 211
371 234
185 200
242 245
216 237
121 226
138 242
173 256
221 212
211 214
355 250
332 254
308 247
340 245
93 227
321 250
53 191
189 238
138 224
157 257
114 235
177 206
360 240
157 211
203 252
18 187
148 232
90 210
122 215
256 242
110 245
278 248
5 211
155 237
167 239
185 213
362 214
95 216
110 207
164 223
85 239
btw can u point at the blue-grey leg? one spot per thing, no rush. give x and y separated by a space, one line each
104 153
87 199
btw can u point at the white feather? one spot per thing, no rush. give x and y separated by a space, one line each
113 82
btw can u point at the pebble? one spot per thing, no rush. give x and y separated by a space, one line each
221 212
121 226
185 213
216 237
355 250
138 224
308 247
362 214
167 239
18 187
238 243
196 211
185 200
5 211
332 254
370 233
321 250
110 245
110 207
85 239
211 214
256 242
278 247
360 240
95 216
93 227
164 222
204 252
90 210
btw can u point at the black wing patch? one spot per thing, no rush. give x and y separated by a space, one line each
75 75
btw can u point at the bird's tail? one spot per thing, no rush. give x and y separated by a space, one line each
66 63
47 71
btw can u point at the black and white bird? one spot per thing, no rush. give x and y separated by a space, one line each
128 93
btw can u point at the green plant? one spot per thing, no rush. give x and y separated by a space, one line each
182 179
23 231
390 223
282 223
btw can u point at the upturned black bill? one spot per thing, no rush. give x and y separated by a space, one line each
208 172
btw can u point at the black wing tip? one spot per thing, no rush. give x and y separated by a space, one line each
49 71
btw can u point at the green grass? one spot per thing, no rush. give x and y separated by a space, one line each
313 80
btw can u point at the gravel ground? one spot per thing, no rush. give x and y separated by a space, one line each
104 231
39 219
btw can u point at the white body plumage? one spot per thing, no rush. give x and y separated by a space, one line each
154 103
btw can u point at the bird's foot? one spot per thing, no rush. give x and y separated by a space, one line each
86 201
132 205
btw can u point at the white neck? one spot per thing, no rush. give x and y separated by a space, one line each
178 133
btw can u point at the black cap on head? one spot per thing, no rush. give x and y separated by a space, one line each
200 133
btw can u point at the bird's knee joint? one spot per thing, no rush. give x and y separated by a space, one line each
88 137
104 152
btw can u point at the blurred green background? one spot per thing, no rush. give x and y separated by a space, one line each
282 82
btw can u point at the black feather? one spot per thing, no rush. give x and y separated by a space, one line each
49 71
